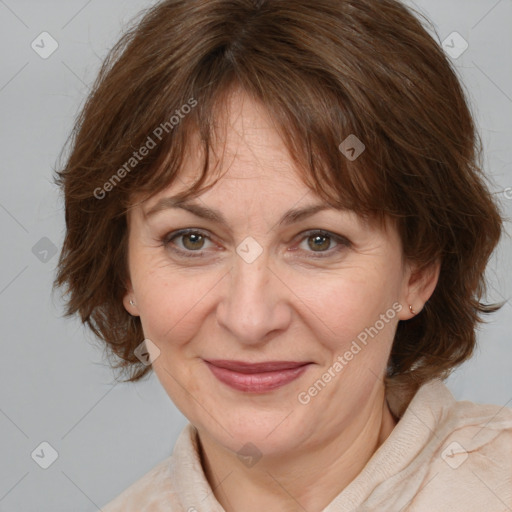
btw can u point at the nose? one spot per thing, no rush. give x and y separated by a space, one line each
254 303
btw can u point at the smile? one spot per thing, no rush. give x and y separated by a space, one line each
256 377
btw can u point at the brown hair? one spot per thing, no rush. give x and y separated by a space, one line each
324 70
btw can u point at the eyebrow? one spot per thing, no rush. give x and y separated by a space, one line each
289 217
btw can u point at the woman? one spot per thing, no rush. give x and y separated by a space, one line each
278 207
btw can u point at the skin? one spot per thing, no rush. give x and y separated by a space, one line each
285 305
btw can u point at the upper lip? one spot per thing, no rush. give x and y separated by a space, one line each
245 367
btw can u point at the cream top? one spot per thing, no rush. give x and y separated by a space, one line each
443 455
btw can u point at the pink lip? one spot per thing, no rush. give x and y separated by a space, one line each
256 377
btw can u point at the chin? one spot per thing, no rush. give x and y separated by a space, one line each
271 429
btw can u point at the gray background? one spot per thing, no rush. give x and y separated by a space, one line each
55 386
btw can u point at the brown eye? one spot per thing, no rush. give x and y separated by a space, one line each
323 244
319 242
192 241
188 242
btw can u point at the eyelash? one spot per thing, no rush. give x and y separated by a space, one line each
341 241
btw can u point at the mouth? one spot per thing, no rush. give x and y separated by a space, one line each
256 377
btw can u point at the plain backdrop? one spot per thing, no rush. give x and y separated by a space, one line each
54 385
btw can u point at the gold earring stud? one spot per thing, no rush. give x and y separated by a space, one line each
412 310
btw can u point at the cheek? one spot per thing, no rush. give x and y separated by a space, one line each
173 303
352 305
349 298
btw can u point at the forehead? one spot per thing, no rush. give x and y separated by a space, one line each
250 167
247 154
251 175
246 143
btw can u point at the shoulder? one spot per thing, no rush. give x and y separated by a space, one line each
478 428
468 456
151 492
438 411
177 484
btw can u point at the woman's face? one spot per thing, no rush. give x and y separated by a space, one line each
317 297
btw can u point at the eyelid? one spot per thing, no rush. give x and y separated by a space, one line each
167 239
186 231
341 241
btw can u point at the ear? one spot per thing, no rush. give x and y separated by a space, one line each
419 285
131 307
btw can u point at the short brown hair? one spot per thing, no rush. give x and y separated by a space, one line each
324 70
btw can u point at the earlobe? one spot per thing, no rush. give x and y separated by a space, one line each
129 302
420 287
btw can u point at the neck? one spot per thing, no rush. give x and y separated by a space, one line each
309 478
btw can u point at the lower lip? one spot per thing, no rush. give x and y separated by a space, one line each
257 382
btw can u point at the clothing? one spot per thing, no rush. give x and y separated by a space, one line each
443 455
